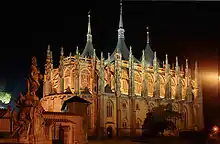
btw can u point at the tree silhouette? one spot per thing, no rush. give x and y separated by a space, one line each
159 119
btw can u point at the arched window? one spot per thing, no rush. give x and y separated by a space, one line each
124 124
109 108
137 106
67 79
124 106
184 118
85 79
138 123
137 83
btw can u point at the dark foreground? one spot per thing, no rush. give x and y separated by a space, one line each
158 140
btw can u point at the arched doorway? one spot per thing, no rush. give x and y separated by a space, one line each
109 132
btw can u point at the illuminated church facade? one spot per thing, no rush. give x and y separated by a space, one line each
122 88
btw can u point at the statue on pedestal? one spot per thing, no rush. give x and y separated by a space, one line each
29 123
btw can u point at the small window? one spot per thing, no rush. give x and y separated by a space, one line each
137 107
124 124
109 109
124 105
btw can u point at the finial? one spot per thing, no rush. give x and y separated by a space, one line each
155 55
48 50
77 50
177 64
148 37
70 54
143 57
163 64
62 52
94 54
89 26
187 66
51 56
89 35
101 55
121 22
130 49
166 59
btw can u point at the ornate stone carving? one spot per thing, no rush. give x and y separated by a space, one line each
29 122
34 78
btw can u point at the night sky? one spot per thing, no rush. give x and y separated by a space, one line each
187 30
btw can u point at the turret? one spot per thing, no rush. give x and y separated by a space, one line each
144 92
156 92
131 74
167 79
178 92
48 72
101 75
61 56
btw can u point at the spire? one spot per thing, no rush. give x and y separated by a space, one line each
143 56
70 54
187 66
101 55
121 22
51 59
88 51
177 64
51 56
121 30
48 50
148 37
77 50
130 52
155 57
109 60
89 34
149 54
61 51
166 59
94 54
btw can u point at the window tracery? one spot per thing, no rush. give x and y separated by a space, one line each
137 83
109 108
137 106
124 123
85 79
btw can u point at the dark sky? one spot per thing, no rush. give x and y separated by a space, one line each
184 29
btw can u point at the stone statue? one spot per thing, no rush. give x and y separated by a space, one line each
29 122
34 78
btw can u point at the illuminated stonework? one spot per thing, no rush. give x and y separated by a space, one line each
122 88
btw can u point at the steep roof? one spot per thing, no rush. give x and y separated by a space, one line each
121 46
74 99
148 52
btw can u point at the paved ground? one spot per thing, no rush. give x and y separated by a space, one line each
112 142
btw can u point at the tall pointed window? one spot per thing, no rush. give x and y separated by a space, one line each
109 108
124 123
85 78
